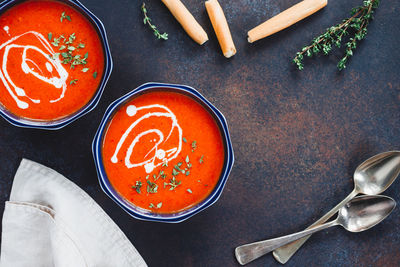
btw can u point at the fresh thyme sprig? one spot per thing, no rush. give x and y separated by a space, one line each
147 21
358 22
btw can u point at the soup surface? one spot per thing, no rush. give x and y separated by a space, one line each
163 152
52 60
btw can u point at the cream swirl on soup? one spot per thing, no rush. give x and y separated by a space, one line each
48 69
164 147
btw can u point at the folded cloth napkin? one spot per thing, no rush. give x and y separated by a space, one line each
50 221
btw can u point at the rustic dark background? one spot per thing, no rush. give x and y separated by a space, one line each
297 136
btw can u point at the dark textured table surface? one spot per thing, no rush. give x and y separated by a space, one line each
297 136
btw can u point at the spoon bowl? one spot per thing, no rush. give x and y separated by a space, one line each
377 173
364 212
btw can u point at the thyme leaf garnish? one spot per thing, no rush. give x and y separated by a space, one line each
194 146
152 206
64 16
69 56
151 187
137 186
173 183
161 174
174 172
56 41
356 25
71 39
177 169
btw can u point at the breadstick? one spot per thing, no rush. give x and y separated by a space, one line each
286 18
221 27
187 21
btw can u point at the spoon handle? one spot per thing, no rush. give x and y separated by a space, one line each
284 253
249 252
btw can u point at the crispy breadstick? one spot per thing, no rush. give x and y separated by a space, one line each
186 19
221 27
286 18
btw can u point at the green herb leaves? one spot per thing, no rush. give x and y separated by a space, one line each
69 52
68 57
137 186
151 187
158 206
56 41
147 20
174 172
194 145
73 81
173 183
178 178
64 16
71 39
356 25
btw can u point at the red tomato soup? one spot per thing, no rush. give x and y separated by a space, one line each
163 152
52 60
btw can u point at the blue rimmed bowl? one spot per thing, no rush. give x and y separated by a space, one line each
108 65
121 201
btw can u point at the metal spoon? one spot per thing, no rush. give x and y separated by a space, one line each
372 177
357 215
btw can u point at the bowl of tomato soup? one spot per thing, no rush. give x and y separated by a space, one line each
55 62
163 152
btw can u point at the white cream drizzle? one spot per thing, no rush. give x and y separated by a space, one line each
163 155
46 50
7 29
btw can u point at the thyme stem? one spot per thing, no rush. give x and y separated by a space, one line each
147 20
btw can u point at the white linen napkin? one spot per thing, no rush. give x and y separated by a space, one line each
51 222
